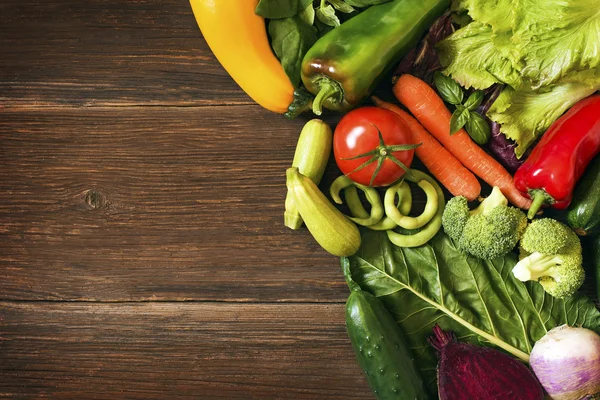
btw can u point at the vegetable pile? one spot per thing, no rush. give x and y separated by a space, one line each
475 291
547 53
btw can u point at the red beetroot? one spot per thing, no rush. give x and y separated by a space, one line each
466 371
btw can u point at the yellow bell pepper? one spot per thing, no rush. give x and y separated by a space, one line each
238 39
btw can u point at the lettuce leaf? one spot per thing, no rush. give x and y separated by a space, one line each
479 300
556 37
525 114
471 56
499 14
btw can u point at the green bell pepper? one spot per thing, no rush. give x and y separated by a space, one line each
345 65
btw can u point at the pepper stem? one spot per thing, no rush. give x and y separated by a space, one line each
327 90
539 199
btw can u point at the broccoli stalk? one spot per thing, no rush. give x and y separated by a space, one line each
551 255
537 265
488 231
495 199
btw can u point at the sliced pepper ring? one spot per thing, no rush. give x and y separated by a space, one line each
363 218
430 229
404 204
405 221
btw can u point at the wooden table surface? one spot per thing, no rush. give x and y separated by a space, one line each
142 248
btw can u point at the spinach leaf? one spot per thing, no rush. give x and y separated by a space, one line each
291 38
327 16
479 300
275 9
365 3
308 15
341 6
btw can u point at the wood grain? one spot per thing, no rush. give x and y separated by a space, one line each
107 52
161 203
183 351
142 247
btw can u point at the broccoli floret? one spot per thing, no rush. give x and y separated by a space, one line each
550 253
546 236
455 216
489 231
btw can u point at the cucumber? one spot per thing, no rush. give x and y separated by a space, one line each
381 350
583 214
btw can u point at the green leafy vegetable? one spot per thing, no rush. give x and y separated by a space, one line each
459 118
326 15
308 15
274 9
479 300
365 3
465 115
341 6
566 38
474 100
472 58
478 128
447 87
291 39
496 13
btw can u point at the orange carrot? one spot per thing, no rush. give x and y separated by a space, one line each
430 110
444 166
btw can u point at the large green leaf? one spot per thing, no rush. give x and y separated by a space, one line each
479 300
472 56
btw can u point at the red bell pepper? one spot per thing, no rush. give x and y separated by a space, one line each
550 173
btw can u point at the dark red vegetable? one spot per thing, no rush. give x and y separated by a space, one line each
550 173
422 61
466 371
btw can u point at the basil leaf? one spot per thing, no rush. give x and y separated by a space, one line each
478 128
459 118
474 100
447 87
341 6
365 3
291 38
308 15
479 300
275 9
327 16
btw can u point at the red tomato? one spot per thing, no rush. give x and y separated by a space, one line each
358 133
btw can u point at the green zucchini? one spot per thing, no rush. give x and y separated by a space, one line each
583 214
381 350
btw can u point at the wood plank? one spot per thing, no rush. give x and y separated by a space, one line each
177 351
144 203
104 52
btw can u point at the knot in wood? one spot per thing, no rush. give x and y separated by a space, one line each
95 199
